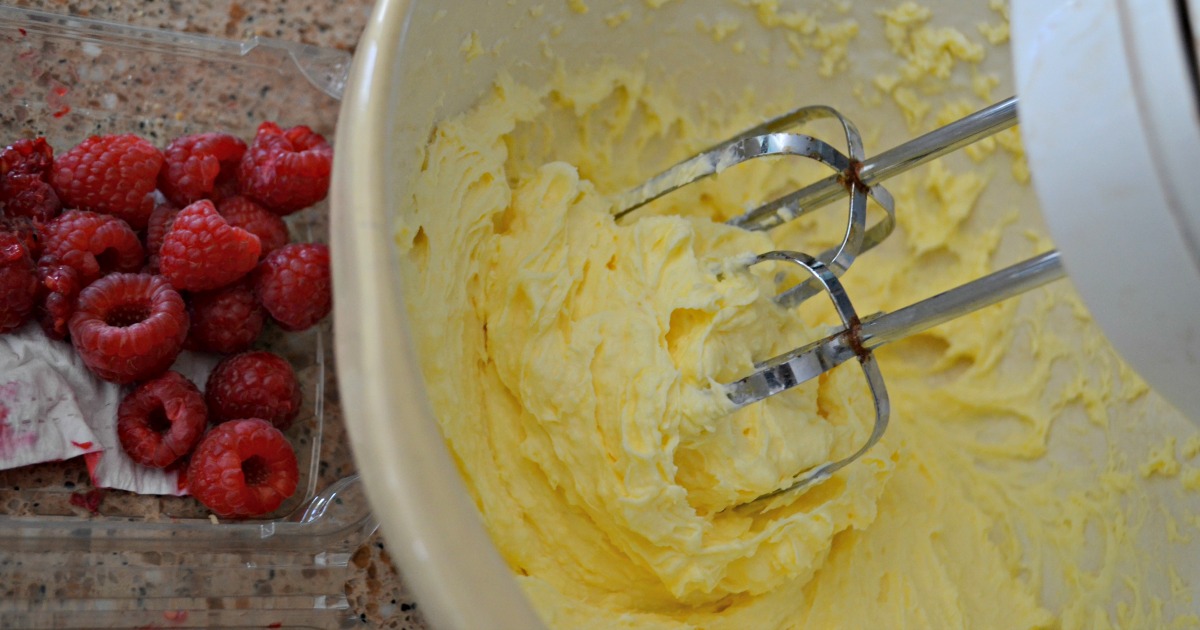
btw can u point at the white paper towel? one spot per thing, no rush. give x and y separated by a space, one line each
52 408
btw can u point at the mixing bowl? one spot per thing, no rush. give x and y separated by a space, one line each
421 62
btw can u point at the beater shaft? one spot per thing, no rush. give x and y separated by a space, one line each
806 363
941 141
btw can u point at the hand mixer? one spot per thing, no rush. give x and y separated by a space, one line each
1110 114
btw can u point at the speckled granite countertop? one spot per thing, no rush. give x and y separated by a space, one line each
372 588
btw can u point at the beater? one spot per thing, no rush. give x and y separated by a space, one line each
1085 65
858 178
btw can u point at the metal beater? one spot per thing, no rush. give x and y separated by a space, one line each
859 178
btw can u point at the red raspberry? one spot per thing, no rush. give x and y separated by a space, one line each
160 421
193 164
27 230
27 157
203 252
110 174
93 244
57 310
129 327
58 277
243 468
57 294
286 170
24 189
18 283
270 229
29 196
253 385
294 284
160 223
226 320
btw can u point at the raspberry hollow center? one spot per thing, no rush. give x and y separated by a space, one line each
127 315
108 260
158 421
254 470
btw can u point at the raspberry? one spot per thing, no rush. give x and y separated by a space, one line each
160 421
56 313
18 283
226 320
270 229
193 164
27 230
203 252
24 189
93 244
129 327
27 157
286 170
29 196
294 284
109 174
253 385
243 468
58 290
160 223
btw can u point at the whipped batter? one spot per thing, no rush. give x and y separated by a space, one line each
575 364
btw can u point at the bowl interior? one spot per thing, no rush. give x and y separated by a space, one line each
422 62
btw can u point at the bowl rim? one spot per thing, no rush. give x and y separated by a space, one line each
432 526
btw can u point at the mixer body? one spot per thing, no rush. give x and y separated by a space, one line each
1110 118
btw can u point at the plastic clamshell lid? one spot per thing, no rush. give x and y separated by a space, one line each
1109 118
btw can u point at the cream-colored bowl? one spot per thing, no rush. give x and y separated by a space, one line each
421 61
432 527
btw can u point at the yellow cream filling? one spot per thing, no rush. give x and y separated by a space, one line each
575 364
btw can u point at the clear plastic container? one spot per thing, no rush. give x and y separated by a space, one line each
159 561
